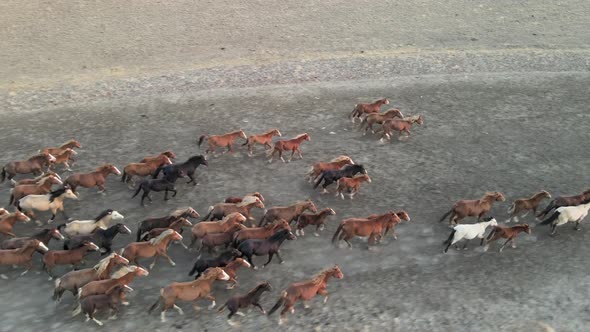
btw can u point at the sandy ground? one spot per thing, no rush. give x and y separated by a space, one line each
516 133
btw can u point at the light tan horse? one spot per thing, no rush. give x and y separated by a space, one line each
263 139
225 140
155 247
54 201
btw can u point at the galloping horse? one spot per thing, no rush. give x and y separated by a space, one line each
565 214
71 144
144 169
187 168
399 125
165 222
166 184
44 235
35 165
379 118
288 145
508 233
203 228
65 157
362 109
469 232
261 247
317 220
526 204
238 302
263 139
471 208
351 185
166 153
22 256
220 210
335 164
92 179
53 201
67 257
155 247
41 187
366 227
287 213
259 232
305 291
7 222
333 175
225 140
85 227
34 180
565 201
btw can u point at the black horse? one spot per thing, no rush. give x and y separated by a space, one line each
331 176
45 235
238 302
222 260
165 184
163 222
188 168
103 238
270 246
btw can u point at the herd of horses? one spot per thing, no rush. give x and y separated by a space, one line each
228 232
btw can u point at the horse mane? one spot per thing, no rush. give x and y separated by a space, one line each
103 214
248 200
539 194
124 270
358 176
56 193
413 117
162 236
196 157
69 141
103 166
489 194
301 135
257 288
231 216
179 212
279 234
103 263
38 155
321 275
340 158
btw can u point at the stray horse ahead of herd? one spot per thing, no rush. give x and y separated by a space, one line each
228 224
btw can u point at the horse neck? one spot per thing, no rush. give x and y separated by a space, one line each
126 279
485 224
28 251
107 271
46 185
537 197
299 139
43 237
10 220
110 232
255 292
278 240
205 282
104 172
164 242
487 200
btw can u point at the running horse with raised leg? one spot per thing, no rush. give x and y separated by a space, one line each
351 185
42 187
379 118
54 201
262 139
372 228
469 232
292 145
508 233
334 164
92 179
287 213
225 140
363 109
71 144
473 208
526 204
155 247
565 201
36 165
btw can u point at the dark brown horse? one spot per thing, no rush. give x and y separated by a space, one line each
372 228
92 179
399 125
508 233
305 291
526 204
288 145
263 139
225 140
316 219
336 163
287 213
473 208
36 165
363 109
238 302
379 118
165 222
565 201
41 187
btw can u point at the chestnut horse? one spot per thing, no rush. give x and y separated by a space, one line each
144 169
565 201
71 144
526 204
351 185
232 271
41 187
72 257
399 125
508 233
403 215
317 220
7 222
234 199
471 208
225 140
218 211
188 291
92 179
35 165
123 276
34 180
166 153
260 232
212 240
379 118
155 247
203 228
362 109
21 256
288 145
365 227
335 164
305 291
263 139
65 157
288 213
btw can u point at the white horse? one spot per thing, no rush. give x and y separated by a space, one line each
565 214
53 202
469 232
85 227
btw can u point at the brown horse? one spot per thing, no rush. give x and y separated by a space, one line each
403 215
203 228
234 199
7 222
305 291
263 139
362 109
336 163
71 144
566 201
110 299
34 180
260 232
21 256
219 211
379 118
526 204
316 219
92 179
144 169
36 164
64 158
372 228
72 257
40 188
165 222
232 271
166 153
471 208
124 276
508 233
351 185
175 225
188 291
399 125
45 235
212 240
288 145
225 140
288 213
155 247
74 280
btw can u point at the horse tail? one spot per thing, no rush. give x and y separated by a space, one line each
554 216
445 215
278 304
11 197
247 141
138 190
155 305
18 207
57 290
354 110
450 238
202 139
124 176
195 267
207 216
547 209
512 208
338 230
317 183
222 307
3 176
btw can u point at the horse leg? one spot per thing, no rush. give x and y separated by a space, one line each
191 176
292 153
281 155
154 262
466 243
166 194
53 212
299 153
324 292
210 297
101 188
257 305
145 194
505 243
249 259
165 254
270 254
280 258
173 192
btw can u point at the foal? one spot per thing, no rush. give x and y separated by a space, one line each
7 222
399 125
238 302
471 208
34 165
225 140
362 109
288 145
317 220
72 257
508 233
92 179
351 185
305 291
263 139
155 247
525 204
65 157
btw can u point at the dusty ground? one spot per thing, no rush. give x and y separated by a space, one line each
516 133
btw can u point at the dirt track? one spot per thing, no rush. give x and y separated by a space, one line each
515 133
